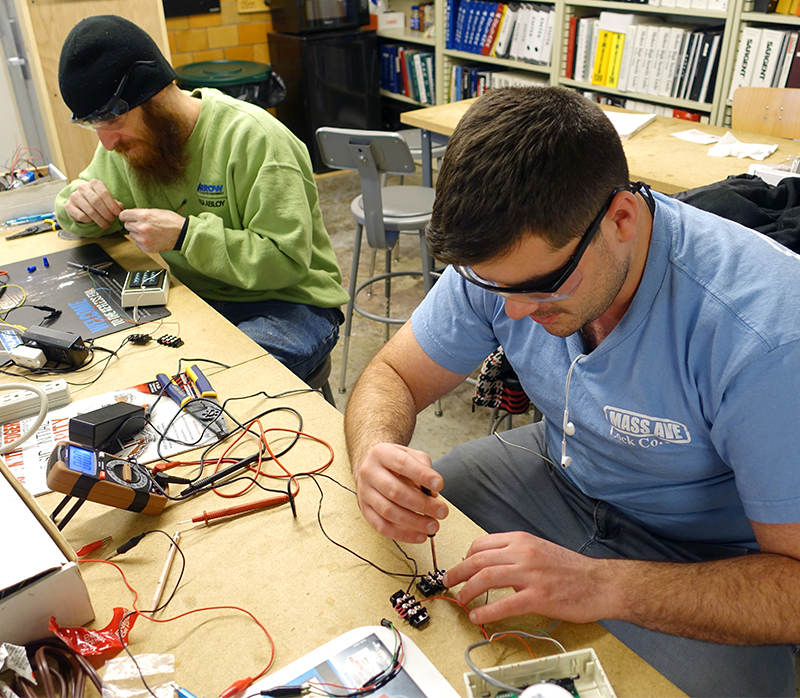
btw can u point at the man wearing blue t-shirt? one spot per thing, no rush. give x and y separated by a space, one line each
661 493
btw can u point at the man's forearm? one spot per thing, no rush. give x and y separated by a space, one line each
750 600
380 409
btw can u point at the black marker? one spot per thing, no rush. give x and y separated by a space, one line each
91 270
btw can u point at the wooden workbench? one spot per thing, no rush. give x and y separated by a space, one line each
655 156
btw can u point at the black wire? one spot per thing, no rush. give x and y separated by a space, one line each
313 477
162 606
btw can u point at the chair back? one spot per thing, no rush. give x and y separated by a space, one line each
370 153
771 111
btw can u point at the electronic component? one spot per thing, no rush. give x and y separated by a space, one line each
431 583
145 287
409 608
578 672
9 339
28 357
103 478
170 340
139 338
58 346
101 428
25 403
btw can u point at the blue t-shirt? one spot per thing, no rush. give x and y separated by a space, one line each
687 415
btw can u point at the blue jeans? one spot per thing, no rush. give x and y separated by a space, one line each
297 335
503 488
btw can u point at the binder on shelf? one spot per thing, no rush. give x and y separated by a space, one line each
677 37
615 60
494 25
506 31
793 79
662 46
601 57
647 73
745 58
788 59
766 58
710 78
627 54
569 65
583 43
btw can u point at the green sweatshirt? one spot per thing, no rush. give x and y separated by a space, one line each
255 227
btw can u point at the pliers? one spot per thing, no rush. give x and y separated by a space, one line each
207 411
46 226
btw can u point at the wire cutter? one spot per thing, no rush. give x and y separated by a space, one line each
206 411
46 226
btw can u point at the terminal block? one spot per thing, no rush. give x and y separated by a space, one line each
431 583
409 608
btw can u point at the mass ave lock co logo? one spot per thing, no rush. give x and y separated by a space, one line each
211 195
637 429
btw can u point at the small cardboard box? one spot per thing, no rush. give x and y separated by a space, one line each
391 20
39 575
37 197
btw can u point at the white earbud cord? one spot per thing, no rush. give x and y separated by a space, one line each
567 427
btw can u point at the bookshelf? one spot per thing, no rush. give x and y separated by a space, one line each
747 17
737 15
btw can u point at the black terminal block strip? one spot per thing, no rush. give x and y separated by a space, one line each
409 608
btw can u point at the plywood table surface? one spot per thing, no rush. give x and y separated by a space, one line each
654 155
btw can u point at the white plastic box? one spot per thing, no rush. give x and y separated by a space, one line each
391 20
37 197
39 575
591 681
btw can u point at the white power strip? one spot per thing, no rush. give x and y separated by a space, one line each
24 403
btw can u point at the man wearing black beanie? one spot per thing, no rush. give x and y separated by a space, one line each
221 189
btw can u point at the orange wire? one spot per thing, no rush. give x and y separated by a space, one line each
521 639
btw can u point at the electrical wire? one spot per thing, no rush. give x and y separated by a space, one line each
497 636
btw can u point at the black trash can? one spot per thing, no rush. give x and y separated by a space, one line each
252 82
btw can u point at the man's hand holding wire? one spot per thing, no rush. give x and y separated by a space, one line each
91 202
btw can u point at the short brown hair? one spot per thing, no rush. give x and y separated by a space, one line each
523 160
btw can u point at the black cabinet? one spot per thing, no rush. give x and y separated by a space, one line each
332 79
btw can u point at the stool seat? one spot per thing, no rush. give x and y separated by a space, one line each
404 208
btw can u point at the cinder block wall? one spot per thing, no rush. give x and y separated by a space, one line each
227 35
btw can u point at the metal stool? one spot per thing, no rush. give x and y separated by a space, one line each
382 211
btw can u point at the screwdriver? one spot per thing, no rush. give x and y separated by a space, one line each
425 490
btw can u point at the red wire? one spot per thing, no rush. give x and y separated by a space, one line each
192 611
458 603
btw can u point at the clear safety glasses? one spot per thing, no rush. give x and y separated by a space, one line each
113 114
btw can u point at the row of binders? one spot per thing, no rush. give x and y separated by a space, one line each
516 30
634 53
782 7
718 5
472 81
408 71
766 58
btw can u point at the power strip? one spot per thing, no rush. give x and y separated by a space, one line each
24 403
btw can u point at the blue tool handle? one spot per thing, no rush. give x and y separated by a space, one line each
172 390
201 381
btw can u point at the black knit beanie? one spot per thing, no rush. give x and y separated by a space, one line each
95 57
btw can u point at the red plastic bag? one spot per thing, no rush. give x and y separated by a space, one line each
98 646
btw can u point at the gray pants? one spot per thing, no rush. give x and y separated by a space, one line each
503 488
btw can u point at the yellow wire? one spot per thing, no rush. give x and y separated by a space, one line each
24 297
